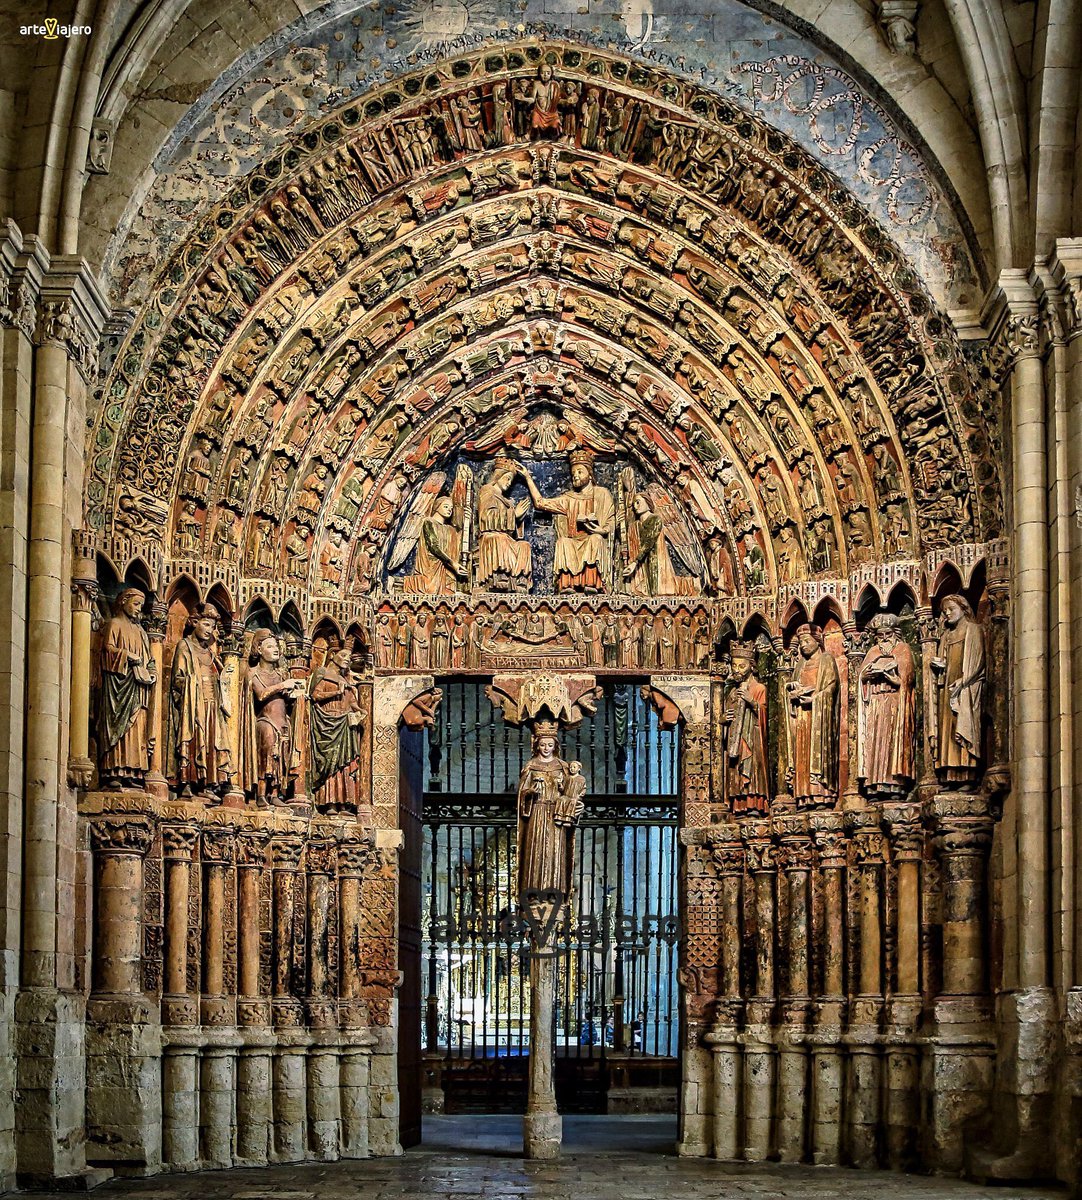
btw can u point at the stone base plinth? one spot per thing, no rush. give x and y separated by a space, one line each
542 1134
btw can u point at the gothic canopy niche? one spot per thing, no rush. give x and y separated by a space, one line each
514 291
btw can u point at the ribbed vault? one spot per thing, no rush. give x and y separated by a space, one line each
430 278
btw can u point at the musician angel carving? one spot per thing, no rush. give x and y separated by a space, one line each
439 526
654 532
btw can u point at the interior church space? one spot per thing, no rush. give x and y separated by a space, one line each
541 599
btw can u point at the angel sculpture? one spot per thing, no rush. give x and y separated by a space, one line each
439 527
653 529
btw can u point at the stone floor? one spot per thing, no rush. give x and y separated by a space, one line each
605 1158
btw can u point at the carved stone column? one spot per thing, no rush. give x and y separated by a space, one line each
217 1009
120 845
865 1077
324 1100
217 854
50 1050
289 1089
963 839
355 857
253 1010
178 845
828 834
123 1098
758 1033
906 839
84 592
797 858
961 1051
180 1012
1014 319
727 851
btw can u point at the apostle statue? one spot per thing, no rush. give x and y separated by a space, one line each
335 729
746 777
549 805
438 569
201 761
958 670
887 711
503 558
127 680
585 524
813 699
267 722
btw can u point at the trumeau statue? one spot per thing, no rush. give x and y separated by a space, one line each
887 741
746 775
198 710
585 525
549 806
127 679
336 726
813 700
267 718
958 671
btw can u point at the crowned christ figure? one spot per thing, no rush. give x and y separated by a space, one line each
585 526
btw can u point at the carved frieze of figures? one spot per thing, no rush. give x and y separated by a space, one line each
958 678
128 674
336 726
887 696
200 760
269 754
813 700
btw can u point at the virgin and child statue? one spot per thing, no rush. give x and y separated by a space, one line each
550 802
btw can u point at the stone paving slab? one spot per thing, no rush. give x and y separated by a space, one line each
606 1158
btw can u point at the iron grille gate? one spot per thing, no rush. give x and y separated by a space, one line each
617 1012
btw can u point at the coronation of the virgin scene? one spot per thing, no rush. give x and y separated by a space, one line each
541 597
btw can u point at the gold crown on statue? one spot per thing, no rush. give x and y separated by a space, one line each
503 463
582 458
546 729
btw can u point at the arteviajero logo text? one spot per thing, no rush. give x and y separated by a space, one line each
51 29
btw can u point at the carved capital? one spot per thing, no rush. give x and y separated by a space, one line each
178 841
251 848
121 835
904 831
22 265
84 593
758 846
897 20
321 857
72 312
218 845
726 850
355 858
286 852
828 834
1012 313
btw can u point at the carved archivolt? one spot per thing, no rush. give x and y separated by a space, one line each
432 280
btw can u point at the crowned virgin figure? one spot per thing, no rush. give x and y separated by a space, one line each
546 836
